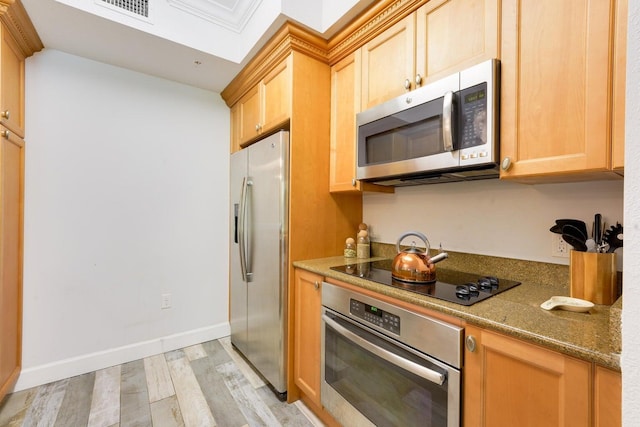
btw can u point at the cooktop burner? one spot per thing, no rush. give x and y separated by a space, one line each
453 286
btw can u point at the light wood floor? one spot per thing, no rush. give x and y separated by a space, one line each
205 385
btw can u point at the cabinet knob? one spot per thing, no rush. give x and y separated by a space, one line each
353 182
407 84
4 134
506 163
470 343
316 285
5 114
258 127
418 80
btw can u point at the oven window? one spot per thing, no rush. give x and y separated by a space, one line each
418 139
383 392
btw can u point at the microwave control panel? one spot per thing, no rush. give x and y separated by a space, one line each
473 116
376 316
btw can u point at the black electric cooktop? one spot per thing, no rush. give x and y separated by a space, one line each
453 286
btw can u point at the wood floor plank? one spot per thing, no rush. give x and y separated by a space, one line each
249 402
193 405
45 406
15 406
166 413
223 406
195 352
158 378
287 415
105 402
134 397
216 352
252 376
77 401
174 355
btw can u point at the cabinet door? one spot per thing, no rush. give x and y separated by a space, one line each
276 92
556 77
442 48
508 382
345 104
11 85
388 63
249 118
619 85
607 398
306 364
11 225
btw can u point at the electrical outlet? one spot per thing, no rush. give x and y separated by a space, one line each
559 248
166 301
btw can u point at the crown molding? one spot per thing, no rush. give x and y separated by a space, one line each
15 19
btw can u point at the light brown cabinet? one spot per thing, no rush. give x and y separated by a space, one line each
11 84
508 382
556 112
18 39
263 107
307 310
426 45
607 398
11 227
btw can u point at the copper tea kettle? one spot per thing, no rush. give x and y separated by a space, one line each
415 265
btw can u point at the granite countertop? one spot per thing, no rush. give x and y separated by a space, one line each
590 336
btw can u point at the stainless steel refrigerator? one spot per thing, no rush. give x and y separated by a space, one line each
258 252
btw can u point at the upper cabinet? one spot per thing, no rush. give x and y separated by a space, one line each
454 34
388 64
11 84
557 102
264 107
428 44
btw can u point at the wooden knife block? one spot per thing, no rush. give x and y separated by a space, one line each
593 277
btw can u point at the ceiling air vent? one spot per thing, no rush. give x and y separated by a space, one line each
137 7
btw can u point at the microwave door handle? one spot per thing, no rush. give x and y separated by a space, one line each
447 125
407 365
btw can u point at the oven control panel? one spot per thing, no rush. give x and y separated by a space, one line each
376 316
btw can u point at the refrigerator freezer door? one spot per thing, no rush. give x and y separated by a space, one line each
238 286
267 221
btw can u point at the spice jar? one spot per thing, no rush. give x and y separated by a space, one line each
363 247
350 248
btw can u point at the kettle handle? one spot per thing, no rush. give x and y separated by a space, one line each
413 233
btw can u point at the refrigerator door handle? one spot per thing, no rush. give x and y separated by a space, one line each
241 229
245 232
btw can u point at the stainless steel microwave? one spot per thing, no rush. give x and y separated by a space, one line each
445 131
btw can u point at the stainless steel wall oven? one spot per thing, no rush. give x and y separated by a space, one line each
383 365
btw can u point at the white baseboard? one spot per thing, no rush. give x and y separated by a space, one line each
44 374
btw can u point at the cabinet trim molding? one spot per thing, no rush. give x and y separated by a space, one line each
14 17
289 38
368 25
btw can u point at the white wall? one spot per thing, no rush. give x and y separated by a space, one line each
631 313
126 199
491 217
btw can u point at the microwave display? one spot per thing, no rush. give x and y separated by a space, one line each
473 116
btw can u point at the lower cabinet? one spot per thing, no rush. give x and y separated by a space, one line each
607 408
307 311
508 382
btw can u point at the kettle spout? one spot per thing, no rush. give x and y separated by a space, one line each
439 257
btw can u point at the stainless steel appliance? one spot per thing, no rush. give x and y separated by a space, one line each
444 131
450 285
258 252
385 366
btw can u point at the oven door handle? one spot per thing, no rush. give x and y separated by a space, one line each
407 365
